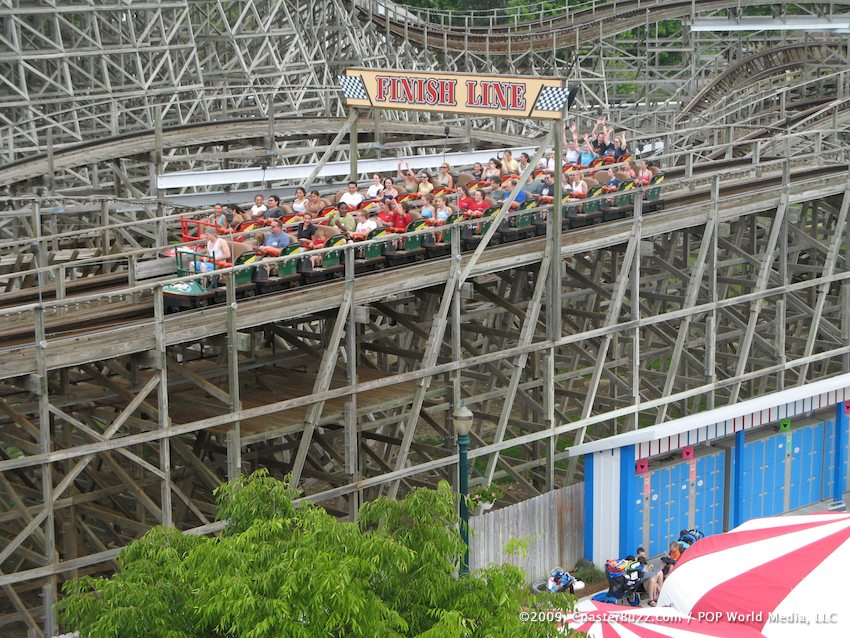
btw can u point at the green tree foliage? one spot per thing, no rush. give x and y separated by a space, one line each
280 571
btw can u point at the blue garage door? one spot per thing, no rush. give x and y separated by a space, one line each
668 506
807 465
807 452
829 461
708 512
634 537
764 477
670 496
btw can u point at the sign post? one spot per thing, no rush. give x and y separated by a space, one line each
353 152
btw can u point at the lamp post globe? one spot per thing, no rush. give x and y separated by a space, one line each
462 420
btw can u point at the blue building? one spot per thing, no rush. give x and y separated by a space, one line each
716 469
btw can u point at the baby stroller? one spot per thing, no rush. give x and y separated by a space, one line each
559 582
624 576
688 537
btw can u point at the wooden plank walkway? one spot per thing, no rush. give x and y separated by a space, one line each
191 404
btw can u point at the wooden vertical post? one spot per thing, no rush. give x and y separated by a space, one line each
163 420
234 444
553 303
352 440
353 151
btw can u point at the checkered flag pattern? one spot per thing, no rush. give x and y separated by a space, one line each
552 98
353 88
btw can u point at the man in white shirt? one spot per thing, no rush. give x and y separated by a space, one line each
352 198
258 210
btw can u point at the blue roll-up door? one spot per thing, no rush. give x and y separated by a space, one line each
708 513
669 500
829 461
806 466
764 477
637 539
659 509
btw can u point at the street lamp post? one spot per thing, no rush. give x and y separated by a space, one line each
462 421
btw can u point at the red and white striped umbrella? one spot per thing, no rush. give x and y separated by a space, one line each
785 576
601 620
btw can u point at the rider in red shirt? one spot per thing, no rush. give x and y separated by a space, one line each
401 218
464 200
478 205
385 215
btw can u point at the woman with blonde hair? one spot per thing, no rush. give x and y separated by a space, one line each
376 188
444 177
411 184
644 175
259 238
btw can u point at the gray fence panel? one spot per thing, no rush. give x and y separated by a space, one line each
554 522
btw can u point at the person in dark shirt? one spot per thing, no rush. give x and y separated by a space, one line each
620 148
495 190
601 137
548 189
306 229
600 144
274 210
477 171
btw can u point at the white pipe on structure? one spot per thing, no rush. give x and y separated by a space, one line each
257 175
836 23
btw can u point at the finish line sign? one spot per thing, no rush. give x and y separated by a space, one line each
455 93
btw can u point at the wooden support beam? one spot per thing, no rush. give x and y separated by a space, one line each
620 287
832 255
322 384
525 338
429 358
761 285
187 373
691 295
